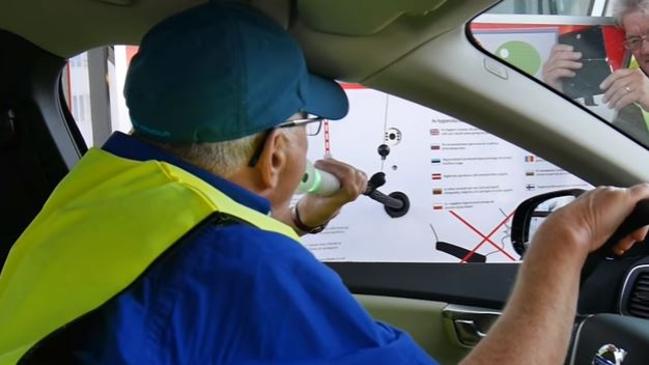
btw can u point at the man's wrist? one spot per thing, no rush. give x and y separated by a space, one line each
644 104
300 225
561 244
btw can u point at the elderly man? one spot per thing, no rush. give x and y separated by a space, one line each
625 90
159 247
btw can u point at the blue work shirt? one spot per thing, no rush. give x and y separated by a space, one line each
235 294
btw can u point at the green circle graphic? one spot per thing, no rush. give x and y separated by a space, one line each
522 55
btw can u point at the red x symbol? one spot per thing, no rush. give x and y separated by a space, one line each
486 238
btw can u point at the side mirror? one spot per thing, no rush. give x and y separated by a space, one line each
532 212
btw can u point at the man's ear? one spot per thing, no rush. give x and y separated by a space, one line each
273 160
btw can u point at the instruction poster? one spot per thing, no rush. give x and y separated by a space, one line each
463 185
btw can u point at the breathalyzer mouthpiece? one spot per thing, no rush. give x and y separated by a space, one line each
317 182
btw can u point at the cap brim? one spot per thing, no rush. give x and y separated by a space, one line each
327 98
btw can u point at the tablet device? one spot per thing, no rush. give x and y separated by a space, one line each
590 42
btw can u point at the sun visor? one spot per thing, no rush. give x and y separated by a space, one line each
342 16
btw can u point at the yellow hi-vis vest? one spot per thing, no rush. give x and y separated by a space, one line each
105 223
645 114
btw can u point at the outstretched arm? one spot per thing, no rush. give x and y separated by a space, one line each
536 324
315 210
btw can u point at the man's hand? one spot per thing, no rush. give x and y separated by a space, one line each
624 87
316 210
592 218
540 313
562 64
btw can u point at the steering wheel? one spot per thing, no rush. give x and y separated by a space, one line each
608 338
639 217
603 332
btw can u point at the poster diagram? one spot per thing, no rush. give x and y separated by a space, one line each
463 185
525 48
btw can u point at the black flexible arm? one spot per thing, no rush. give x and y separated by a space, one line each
396 204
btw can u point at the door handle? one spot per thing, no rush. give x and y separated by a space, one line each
468 332
468 324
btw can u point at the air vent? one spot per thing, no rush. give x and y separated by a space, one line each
638 299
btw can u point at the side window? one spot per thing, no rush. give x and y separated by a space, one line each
77 94
463 185
92 86
592 52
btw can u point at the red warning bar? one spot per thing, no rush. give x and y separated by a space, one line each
327 140
351 86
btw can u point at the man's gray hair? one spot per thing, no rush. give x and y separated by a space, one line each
220 158
624 7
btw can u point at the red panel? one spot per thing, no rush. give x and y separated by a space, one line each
351 86
614 42
130 52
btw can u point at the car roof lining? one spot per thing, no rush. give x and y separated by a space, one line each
64 29
388 31
341 16
369 54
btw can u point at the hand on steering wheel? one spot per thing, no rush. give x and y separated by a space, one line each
601 222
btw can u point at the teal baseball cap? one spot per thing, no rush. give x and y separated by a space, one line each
221 71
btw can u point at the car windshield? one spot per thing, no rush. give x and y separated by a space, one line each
592 52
